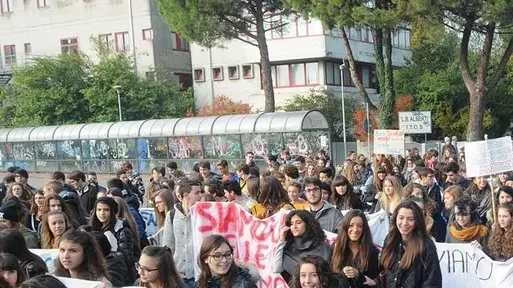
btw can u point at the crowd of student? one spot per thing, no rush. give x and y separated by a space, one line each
101 235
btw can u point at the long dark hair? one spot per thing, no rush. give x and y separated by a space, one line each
342 255
93 266
33 206
272 194
9 262
95 223
13 242
43 281
210 244
168 275
415 246
312 227
340 200
169 200
326 275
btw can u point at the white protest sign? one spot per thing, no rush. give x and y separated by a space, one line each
48 255
465 267
489 157
415 122
148 215
389 142
77 283
379 225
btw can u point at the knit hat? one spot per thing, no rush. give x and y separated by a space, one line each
10 210
113 206
465 205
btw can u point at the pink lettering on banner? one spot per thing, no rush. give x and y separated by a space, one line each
254 240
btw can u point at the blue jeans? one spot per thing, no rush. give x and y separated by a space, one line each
189 283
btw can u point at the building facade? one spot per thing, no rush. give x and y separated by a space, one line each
303 54
50 27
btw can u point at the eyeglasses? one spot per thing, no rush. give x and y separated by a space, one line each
218 257
316 189
144 269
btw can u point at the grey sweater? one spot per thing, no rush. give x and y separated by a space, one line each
329 217
179 230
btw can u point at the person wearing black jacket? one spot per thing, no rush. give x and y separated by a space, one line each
86 191
409 257
116 266
427 179
129 197
354 253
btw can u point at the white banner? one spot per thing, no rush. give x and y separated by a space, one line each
77 283
389 142
465 267
415 122
48 255
148 215
483 158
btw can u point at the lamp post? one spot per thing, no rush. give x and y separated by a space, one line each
342 66
117 87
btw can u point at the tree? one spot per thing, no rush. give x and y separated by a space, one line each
71 89
432 77
140 98
329 105
210 22
485 20
223 105
47 92
380 15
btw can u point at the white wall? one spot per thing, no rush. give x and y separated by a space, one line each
45 27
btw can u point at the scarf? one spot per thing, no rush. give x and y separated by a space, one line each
469 233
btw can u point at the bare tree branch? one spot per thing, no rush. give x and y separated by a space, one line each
499 73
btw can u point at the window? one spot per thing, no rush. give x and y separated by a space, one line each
10 54
298 74
199 75
6 6
233 72
185 80
122 42
105 43
69 46
28 48
247 71
217 73
301 27
147 34
312 73
348 81
332 74
43 3
179 44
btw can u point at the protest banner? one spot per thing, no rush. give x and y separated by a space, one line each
463 266
48 255
489 157
379 225
148 215
415 122
254 241
77 283
389 142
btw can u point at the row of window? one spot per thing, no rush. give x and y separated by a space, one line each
109 42
6 6
400 37
218 73
297 74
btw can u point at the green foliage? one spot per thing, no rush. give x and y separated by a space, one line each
433 77
330 106
71 89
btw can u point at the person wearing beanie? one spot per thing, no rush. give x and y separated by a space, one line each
10 216
465 224
103 219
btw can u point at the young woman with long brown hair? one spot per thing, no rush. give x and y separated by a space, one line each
217 266
55 224
409 256
36 214
500 245
354 253
343 195
271 199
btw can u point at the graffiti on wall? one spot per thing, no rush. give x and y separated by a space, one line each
185 148
220 147
23 151
306 143
262 145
